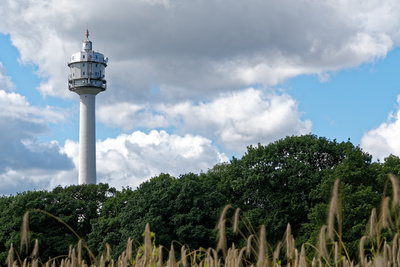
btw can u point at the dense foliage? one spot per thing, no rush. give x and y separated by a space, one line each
288 181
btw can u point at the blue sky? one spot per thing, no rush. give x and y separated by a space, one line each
192 83
353 101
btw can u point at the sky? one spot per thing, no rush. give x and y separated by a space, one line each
192 83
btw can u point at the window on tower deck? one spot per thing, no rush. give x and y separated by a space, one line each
84 64
83 56
83 73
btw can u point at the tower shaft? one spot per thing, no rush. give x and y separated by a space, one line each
87 140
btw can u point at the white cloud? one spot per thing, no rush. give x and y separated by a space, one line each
23 159
180 65
128 116
385 139
234 120
197 47
128 160
5 81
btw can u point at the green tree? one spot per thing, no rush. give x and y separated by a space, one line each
106 229
360 192
272 184
184 209
75 205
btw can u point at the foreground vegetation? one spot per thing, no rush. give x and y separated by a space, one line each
289 181
380 246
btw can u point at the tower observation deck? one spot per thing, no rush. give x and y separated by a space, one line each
87 79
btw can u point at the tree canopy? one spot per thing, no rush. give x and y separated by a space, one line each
287 181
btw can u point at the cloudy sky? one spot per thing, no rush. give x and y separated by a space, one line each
193 83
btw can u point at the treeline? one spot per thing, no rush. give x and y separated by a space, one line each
288 181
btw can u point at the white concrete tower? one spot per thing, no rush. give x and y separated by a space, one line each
87 79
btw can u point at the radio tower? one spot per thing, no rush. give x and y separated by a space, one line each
87 79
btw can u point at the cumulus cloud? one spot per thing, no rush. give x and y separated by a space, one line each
130 159
181 66
385 139
234 120
187 48
5 81
23 159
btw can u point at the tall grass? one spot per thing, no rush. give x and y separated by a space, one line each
374 248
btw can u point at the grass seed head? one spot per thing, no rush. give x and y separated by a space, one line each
385 220
288 241
147 243
236 221
372 223
171 259
183 256
333 209
261 247
221 230
10 257
160 258
35 252
361 250
396 191
323 251
25 233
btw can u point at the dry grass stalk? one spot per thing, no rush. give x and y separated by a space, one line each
303 261
372 223
248 246
387 253
296 258
276 253
361 250
396 191
385 220
240 257
171 259
333 209
160 258
346 263
209 259
215 255
69 251
147 243
322 249
261 247
129 249
221 230
336 256
314 262
288 241
395 248
108 252
236 221
25 233
183 260
73 256
10 257
102 261
79 250
35 252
